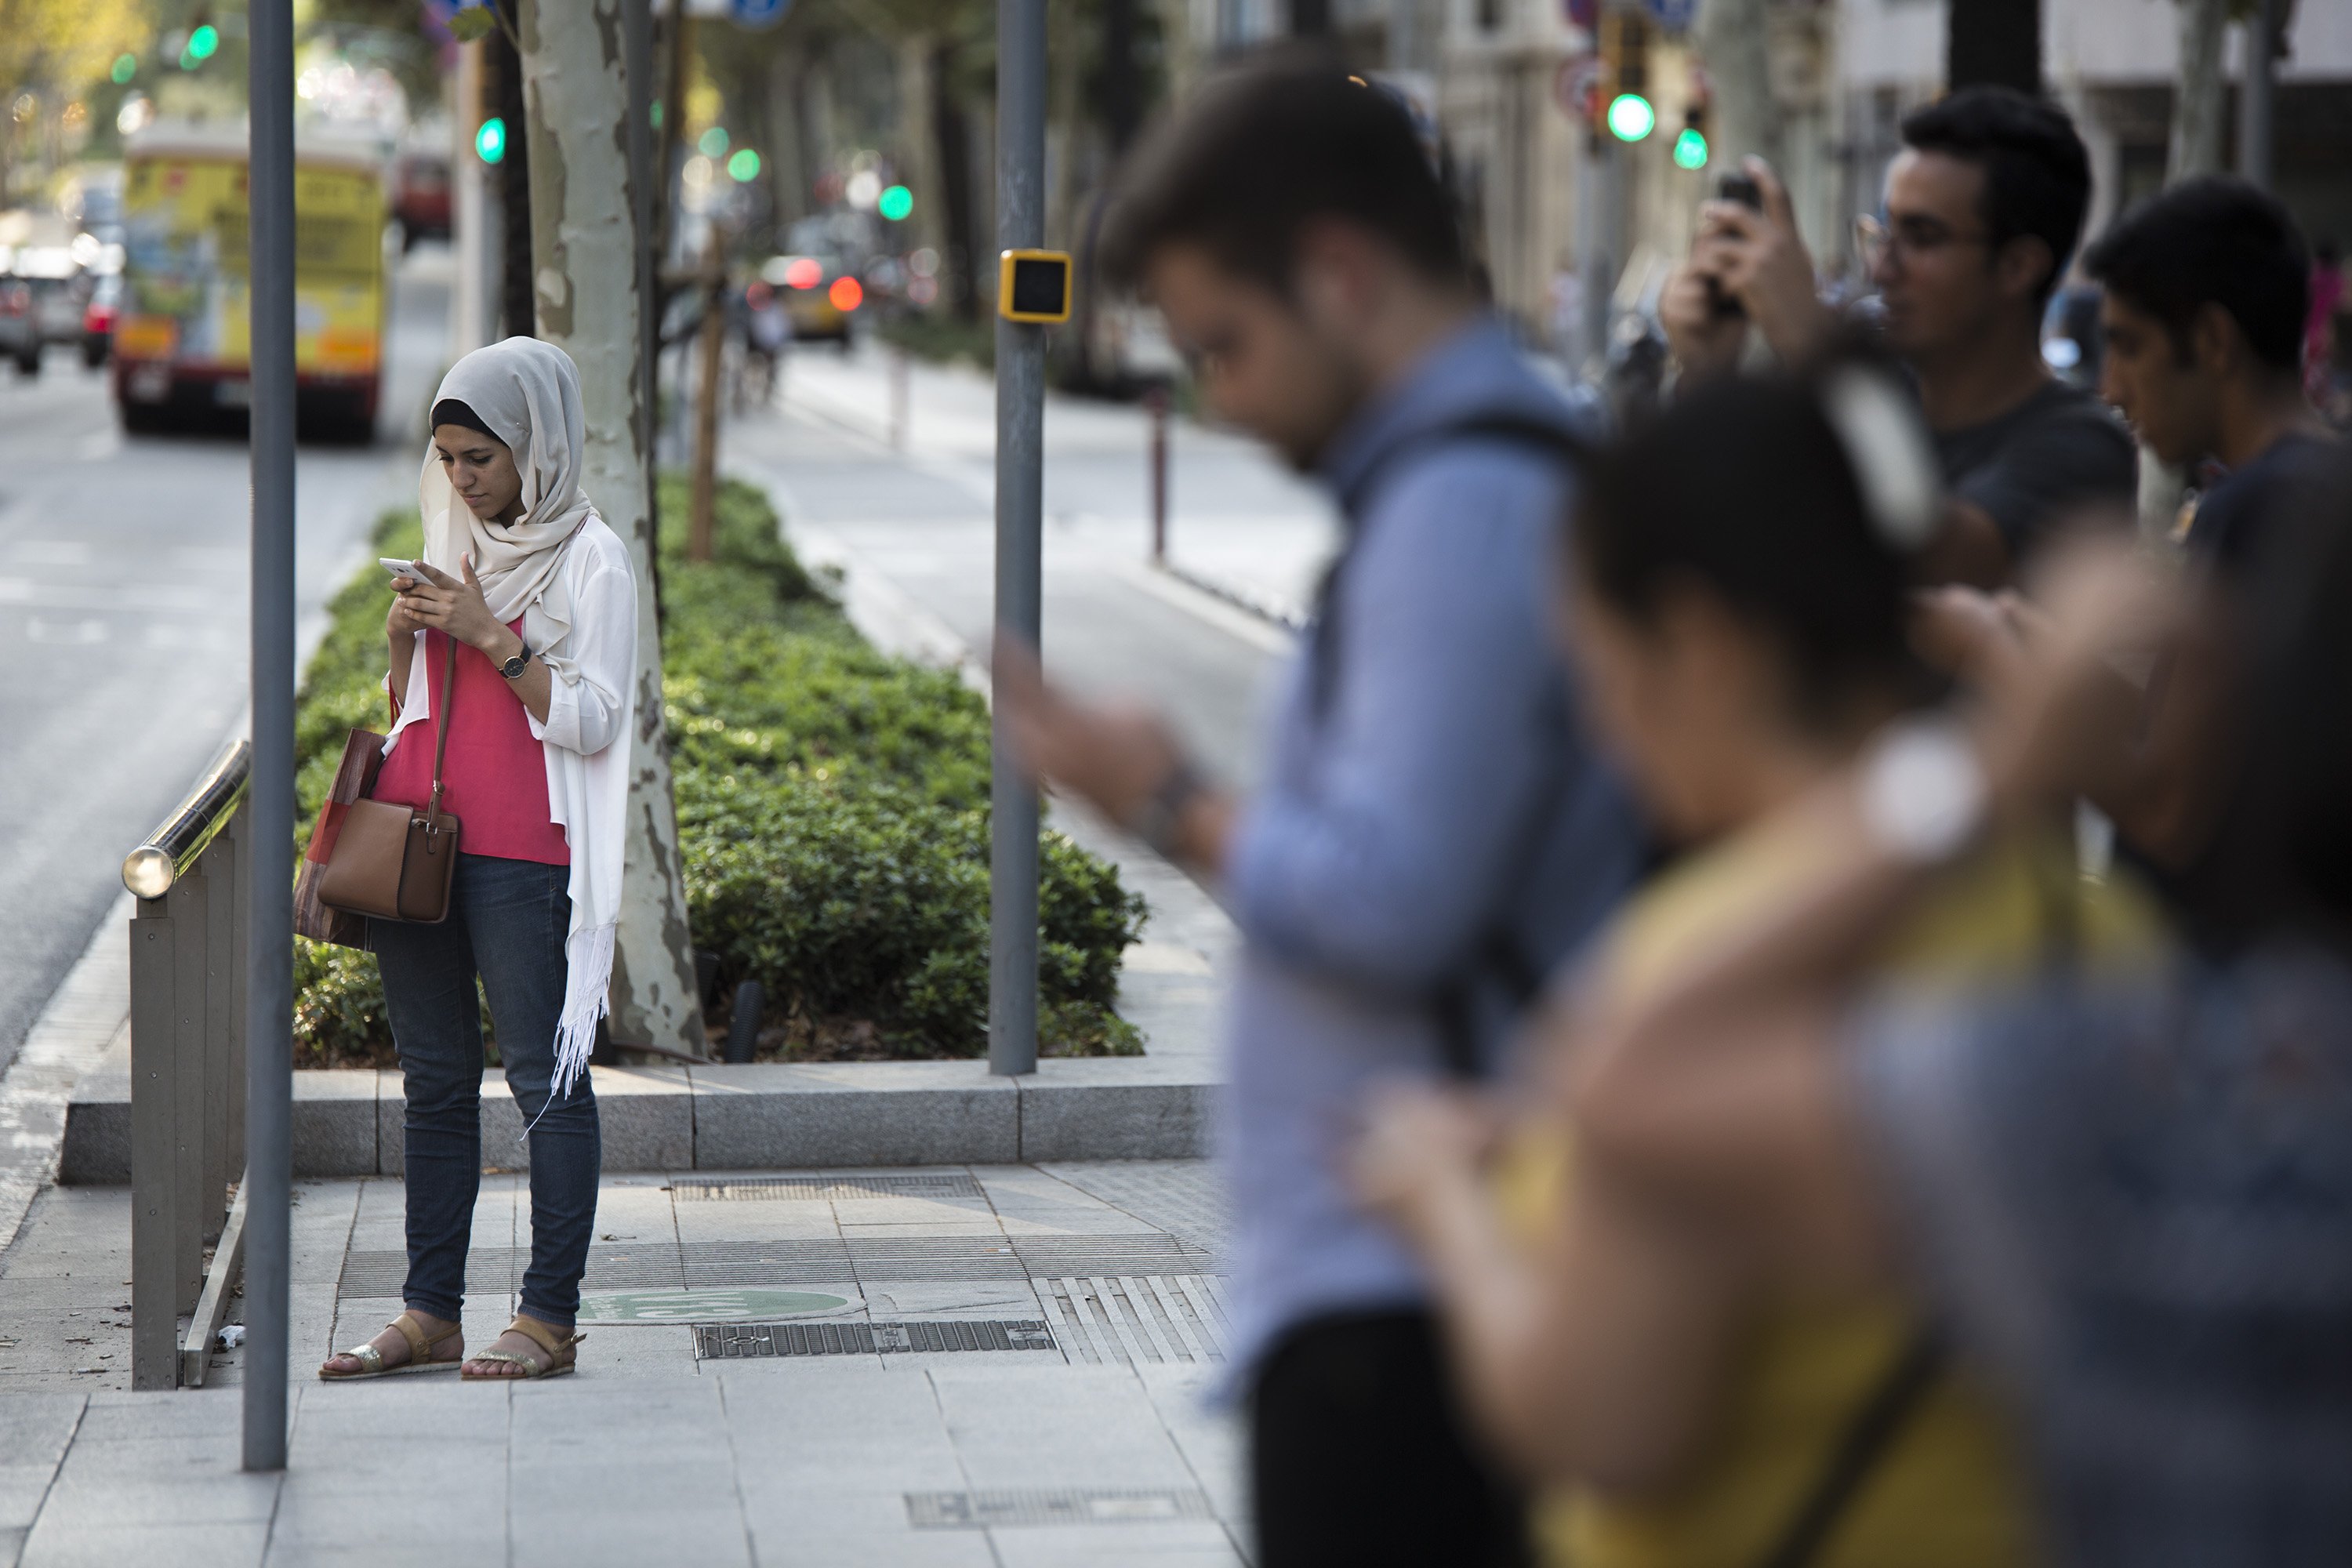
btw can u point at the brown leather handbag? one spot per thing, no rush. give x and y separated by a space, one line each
387 861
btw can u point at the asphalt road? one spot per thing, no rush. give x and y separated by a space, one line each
123 619
920 513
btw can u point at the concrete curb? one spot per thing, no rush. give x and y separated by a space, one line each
761 1116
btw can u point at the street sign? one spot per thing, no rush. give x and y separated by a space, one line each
1674 15
757 13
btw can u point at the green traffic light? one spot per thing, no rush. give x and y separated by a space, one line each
744 166
1631 118
1690 148
203 41
125 68
714 143
490 140
895 202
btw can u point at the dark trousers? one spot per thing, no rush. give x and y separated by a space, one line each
1358 1457
506 924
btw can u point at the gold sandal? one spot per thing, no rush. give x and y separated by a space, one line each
555 1342
420 1345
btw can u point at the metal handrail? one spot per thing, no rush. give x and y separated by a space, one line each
150 870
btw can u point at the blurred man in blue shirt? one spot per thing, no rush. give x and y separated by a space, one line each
1434 835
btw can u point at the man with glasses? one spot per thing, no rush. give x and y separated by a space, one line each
1982 208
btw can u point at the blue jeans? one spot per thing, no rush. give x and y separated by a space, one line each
507 922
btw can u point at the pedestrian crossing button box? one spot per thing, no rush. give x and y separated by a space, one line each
1034 286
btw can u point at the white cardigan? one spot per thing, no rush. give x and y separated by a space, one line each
591 705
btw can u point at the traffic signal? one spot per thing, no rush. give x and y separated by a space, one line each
1690 147
894 203
490 140
1625 74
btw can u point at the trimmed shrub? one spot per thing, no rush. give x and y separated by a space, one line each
832 818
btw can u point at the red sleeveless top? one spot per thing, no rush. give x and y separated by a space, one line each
494 780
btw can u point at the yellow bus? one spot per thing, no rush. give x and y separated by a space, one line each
182 339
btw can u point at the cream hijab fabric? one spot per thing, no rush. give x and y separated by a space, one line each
527 393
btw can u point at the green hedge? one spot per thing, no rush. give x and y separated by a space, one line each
832 817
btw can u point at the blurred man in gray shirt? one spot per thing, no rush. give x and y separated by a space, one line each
1434 835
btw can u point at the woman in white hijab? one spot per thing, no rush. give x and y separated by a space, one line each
533 593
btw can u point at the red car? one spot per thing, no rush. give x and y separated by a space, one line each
420 196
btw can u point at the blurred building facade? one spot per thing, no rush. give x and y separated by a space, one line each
2114 64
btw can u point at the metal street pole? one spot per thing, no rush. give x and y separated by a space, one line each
2258 98
1020 485
270 991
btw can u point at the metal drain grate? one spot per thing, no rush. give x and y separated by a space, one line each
1067 1505
819 1189
1130 1319
735 1342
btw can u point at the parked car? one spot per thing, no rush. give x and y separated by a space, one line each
420 196
811 289
40 285
20 325
98 319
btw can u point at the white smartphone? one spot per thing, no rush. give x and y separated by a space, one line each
400 568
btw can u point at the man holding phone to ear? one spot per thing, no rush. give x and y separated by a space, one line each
1982 208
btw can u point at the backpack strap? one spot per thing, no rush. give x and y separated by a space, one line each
1861 1449
1496 955
1551 439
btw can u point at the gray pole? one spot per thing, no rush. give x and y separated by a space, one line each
269 992
637 65
1020 484
2258 98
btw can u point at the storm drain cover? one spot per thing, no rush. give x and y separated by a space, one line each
735 1342
701 1306
1065 1505
819 1189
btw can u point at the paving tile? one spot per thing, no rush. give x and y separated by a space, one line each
781 1546
1211 1440
984 1225
188 1545
636 1349
127 1484
754 1221
359 1551
703 1537
82 1233
1191 1544
924 1299
1056 1426
34 1431
908 1209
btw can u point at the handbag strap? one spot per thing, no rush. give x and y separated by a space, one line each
1861 1448
441 731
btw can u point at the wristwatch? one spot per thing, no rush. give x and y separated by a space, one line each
512 669
1156 820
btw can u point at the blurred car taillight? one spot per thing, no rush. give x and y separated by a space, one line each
16 298
98 319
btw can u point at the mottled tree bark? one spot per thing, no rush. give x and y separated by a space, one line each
583 230
2197 101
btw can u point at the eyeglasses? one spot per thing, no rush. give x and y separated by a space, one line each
1875 241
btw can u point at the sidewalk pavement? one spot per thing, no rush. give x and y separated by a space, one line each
1239 522
775 1372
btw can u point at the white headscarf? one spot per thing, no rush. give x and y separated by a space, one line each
527 393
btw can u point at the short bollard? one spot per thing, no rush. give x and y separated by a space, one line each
743 1028
1156 402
